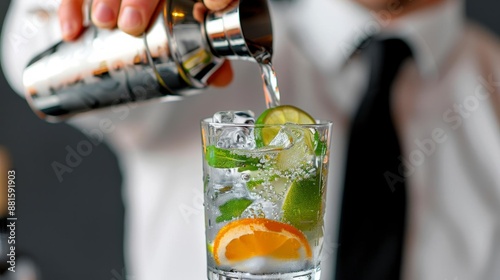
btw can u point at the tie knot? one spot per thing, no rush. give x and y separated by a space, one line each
387 42
384 57
388 50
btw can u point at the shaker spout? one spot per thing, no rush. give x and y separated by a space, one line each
241 31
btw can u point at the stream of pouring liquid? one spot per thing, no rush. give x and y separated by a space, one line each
271 90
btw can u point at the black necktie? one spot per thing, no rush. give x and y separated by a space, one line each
372 223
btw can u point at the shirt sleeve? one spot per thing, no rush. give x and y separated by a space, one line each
30 27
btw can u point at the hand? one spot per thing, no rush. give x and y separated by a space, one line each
132 17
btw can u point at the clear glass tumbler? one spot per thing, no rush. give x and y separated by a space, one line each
265 193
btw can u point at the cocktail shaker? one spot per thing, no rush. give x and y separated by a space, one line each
175 58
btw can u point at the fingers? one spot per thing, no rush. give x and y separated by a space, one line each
131 16
216 5
199 11
105 13
135 15
71 18
223 76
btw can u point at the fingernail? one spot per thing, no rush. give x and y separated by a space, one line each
103 13
68 28
130 18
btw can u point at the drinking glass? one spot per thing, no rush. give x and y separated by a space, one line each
264 199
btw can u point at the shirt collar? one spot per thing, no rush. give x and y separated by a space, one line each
330 35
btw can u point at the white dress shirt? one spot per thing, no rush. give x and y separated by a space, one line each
447 109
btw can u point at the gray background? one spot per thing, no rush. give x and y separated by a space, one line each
74 230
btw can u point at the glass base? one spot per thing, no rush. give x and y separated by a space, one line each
216 274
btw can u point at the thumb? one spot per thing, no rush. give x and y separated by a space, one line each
217 5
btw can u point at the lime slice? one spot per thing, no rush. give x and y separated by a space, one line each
302 204
232 209
279 115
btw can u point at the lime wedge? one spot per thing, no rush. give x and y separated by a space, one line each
279 115
302 204
320 145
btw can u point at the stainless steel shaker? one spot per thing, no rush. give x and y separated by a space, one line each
173 59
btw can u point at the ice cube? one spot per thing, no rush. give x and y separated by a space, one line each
260 265
289 135
220 194
223 117
235 137
297 148
243 117
282 139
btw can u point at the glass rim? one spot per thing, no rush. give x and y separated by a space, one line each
209 121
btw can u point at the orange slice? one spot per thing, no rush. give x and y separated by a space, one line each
268 241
